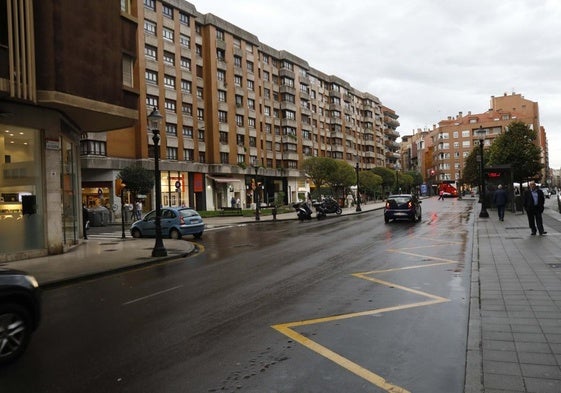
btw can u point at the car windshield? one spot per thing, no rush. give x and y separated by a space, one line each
400 198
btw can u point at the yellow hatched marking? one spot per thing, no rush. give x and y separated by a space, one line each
288 328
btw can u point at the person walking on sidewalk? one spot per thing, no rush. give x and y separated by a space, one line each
441 195
85 221
534 204
499 199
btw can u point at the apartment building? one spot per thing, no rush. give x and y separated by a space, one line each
240 117
442 150
53 85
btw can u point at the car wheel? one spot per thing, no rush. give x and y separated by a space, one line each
15 331
136 233
386 220
338 211
420 215
175 234
198 235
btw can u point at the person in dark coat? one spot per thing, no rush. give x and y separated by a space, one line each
499 200
534 204
85 221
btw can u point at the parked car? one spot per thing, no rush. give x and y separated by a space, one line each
546 192
175 223
402 206
20 312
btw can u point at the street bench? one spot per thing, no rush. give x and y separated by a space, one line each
231 211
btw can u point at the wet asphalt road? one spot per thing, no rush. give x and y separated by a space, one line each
346 304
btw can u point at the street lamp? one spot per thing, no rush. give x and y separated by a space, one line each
154 119
397 169
358 209
123 186
483 213
256 196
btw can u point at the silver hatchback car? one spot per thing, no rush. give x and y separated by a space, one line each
175 223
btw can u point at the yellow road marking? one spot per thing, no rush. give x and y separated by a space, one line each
375 379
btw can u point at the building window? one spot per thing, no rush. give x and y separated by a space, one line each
184 40
237 61
171 153
169 81
200 114
201 135
187 109
239 120
151 102
240 139
267 110
169 105
169 58
186 86
167 11
220 54
126 6
151 76
266 75
252 141
249 66
200 92
171 129
251 103
251 122
202 159
91 147
250 85
222 116
220 75
168 34
150 4
151 52
183 18
239 101
224 158
223 137
188 154
188 132
238 80
128 71
150 27
221 96
241 158
186 63
199 50
219 35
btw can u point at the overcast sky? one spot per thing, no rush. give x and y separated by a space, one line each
426 59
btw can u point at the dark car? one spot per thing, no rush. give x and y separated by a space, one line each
402 206
20 312
175 223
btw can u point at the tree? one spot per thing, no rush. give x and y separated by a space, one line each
138 180
319 169
471 173
370 183
387 175
342 177
516 147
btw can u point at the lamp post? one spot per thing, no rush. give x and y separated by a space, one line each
256 196
358 209
123 186
397 169
483 213
154 119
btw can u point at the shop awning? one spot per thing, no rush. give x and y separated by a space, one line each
224 179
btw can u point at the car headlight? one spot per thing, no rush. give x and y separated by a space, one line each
33 281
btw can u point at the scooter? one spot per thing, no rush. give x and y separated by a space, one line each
303 211
328 205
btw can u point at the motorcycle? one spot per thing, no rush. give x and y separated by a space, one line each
328 205
303 211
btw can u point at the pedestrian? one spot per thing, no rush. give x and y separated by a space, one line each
349 200
441 195
85 221
500 199
534 204
233 202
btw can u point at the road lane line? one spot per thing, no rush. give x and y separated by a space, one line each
152 295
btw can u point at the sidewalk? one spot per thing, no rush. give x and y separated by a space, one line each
514 342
